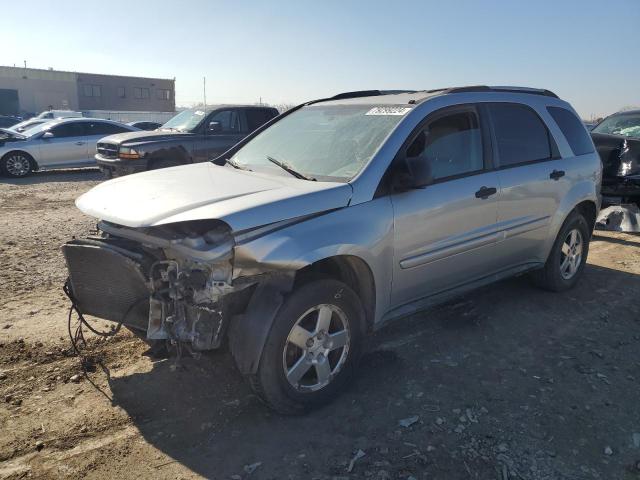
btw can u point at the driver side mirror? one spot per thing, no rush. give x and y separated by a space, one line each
47 135
215 127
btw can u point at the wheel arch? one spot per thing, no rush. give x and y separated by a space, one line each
353 271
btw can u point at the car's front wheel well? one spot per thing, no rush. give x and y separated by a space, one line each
349 269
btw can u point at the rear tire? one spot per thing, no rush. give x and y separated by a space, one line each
312 349
16 164
568 256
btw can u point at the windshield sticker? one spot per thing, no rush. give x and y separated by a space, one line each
388 111
198 112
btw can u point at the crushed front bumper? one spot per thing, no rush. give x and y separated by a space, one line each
123 283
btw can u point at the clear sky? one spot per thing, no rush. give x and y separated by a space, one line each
587 51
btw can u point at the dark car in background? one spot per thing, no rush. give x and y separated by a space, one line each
617 139
192 136
145 125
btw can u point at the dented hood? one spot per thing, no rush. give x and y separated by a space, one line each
240 198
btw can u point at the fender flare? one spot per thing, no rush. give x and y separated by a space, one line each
248 331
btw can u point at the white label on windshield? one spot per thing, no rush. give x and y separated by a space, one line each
199 113
388 111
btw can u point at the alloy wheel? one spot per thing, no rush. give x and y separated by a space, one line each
316 348
571 254
17 165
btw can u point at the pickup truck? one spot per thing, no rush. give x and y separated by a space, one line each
192 136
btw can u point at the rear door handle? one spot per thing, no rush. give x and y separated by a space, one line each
486 192
79 143
556 174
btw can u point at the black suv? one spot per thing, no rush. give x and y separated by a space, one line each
191 136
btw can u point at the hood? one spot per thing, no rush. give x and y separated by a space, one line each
7 135
142 136
201 191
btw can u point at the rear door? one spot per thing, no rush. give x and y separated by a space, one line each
212 143
445 233
533 180
97 130
68 146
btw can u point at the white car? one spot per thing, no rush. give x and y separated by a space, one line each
69 142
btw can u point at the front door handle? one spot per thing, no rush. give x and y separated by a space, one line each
79 143
486 192
556 174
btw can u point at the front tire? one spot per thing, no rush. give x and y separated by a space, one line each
16 164
312 349
568 256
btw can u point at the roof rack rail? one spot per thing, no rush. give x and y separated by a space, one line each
367 93
485 88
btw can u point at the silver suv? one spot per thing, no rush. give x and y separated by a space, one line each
340 215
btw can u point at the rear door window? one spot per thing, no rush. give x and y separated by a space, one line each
521 136
573 130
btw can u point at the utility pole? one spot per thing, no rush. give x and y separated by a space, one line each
204 92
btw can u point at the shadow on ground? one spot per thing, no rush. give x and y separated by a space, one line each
539 380
53 176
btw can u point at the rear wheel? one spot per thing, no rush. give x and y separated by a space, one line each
312 348
568 256
16 164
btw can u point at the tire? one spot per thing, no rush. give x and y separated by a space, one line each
558 275
321 368
163 163
16 164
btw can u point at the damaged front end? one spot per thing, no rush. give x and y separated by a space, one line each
620 168
173 282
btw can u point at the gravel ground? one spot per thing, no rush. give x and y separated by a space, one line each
509 382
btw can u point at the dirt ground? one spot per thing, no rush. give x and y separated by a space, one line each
509 382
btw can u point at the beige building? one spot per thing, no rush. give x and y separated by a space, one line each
31 90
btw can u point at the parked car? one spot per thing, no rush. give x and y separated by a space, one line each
27 124
617 139
69 142
7 121
341 215
189 137
51 114
145 125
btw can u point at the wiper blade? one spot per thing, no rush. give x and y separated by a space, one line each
289 169
237 165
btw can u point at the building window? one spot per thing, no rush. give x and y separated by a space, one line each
92 90
139 92
163 94
121 92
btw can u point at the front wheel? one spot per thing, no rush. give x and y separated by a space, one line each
16 165
568 256
312 348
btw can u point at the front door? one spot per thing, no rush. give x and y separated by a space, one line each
228 131
67 146
445 233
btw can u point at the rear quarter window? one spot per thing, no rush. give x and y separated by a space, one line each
573 130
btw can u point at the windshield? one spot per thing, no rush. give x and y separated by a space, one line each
326 142
184 121
626 124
